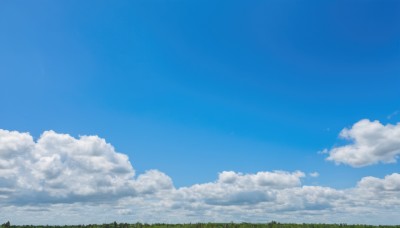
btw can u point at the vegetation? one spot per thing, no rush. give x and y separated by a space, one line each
272 224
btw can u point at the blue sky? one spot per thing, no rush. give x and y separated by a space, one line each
195 88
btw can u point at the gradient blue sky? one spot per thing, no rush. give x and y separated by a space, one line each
193 88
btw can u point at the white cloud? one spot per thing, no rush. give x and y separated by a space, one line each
242 189
153 181
59 168
59 179
314 174
276 179
370 143
391 183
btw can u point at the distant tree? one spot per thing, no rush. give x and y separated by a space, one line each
6 225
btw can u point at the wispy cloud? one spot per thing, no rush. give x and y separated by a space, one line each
395 113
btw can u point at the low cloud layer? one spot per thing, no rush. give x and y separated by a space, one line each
370 142
59 179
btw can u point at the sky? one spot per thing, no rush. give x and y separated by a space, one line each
199 111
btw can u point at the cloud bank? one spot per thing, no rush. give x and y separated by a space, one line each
59 179
370 143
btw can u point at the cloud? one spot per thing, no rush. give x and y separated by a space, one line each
153 181
395 113
370 143
276 179
314 174
233 188
391 183
59 168
59 179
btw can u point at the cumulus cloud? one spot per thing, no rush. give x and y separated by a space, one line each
153 181
390 183
59 168
370 142
233 188
59 179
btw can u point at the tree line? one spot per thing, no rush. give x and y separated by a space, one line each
272 224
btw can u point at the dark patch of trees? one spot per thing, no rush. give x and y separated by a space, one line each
6 225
